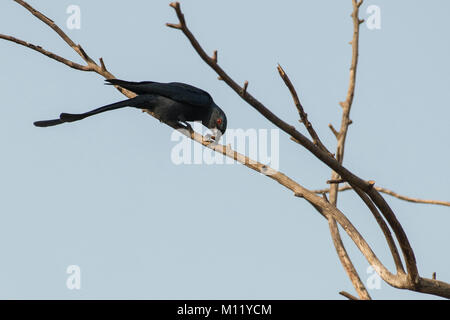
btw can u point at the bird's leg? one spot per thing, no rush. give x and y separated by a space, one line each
182 126
188 126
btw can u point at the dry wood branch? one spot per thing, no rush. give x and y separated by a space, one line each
335 132
346 262
58 30
102 64
348 295
303 115
384 227
409 199
431 286
412 278
330 212
337 181
47 53
244 88
341 135
393 194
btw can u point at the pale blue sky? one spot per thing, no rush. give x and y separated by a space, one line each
103 193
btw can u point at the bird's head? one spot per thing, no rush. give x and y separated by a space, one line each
217 121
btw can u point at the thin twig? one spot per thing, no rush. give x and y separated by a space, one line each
341 135
303 115
336 181
102 64
47 53
244 88
335 132
57 29
346 262
348 295
391 193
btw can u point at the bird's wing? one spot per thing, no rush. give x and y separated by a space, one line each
177 91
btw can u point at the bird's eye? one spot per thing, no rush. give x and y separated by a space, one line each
219 121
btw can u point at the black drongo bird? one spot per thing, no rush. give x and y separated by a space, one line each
173 103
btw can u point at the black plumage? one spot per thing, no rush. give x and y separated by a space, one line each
174 103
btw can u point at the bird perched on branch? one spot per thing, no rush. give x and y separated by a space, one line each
174 103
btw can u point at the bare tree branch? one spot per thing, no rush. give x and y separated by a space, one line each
301 111
334 230
384 227
348 295
346 262
391 193
47 53
341 135
412 278
58 30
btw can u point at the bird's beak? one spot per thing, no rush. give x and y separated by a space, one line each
216 133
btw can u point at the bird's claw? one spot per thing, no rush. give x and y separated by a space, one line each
210 138
189 127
